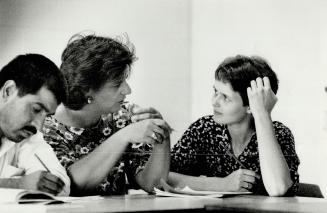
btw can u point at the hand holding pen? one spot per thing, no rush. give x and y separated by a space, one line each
41 180
241 179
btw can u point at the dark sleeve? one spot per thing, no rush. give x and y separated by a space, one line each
286 141
184 155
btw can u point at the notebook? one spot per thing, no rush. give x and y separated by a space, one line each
23 196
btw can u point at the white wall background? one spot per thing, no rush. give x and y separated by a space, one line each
179 44
291 35
160 31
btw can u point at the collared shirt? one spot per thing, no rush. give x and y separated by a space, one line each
18 159
206 149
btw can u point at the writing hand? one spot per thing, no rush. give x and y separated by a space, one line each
43 181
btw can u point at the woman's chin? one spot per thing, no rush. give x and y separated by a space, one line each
216 119
219 119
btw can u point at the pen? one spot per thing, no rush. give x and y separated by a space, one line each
43 164
233 156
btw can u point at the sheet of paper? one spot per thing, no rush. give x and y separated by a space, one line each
170 194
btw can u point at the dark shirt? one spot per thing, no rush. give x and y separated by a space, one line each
205 149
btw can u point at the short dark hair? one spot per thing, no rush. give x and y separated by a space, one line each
240 70
33 71
88 62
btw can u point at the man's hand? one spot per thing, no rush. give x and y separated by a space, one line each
43 181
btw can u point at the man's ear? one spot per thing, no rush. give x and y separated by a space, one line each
9 88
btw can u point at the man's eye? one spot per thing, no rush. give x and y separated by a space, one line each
37 109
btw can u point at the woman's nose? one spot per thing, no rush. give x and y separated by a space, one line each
126 90
215 100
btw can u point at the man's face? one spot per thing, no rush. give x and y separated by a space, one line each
21 117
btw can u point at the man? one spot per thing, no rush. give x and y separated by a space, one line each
31 88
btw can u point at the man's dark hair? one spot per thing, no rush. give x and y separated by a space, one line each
33 71
88 62
240 70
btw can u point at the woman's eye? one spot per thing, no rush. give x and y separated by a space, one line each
215 91
117 85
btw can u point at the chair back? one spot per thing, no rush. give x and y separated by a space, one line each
309 190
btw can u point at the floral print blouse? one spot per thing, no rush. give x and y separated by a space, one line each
205 149
71 144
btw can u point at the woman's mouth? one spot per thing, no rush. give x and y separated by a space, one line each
217 112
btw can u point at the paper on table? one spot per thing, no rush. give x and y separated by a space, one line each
188 192
177 192
9 195
172 194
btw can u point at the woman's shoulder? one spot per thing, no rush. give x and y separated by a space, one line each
206 122
280 126
207 119
281 129
50 122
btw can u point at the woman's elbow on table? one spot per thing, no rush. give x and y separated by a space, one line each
279 190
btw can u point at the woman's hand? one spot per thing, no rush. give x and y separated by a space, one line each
261 97
241 180
139 113
146 131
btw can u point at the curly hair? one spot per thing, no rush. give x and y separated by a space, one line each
240 70
33 71
88 62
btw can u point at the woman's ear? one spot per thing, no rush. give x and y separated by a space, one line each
248 110
89 96
9 88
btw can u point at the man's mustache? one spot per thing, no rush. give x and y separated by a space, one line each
31 129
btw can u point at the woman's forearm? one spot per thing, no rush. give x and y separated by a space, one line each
197 183
274 169
89 171
156 168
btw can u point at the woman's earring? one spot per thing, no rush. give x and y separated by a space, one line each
248 110
89 100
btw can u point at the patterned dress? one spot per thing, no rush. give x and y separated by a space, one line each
71 144
205 149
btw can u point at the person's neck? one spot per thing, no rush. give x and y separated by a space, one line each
241 132
77 118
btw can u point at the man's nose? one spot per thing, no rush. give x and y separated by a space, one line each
38 121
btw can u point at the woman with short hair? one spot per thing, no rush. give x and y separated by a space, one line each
239 147
92 132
